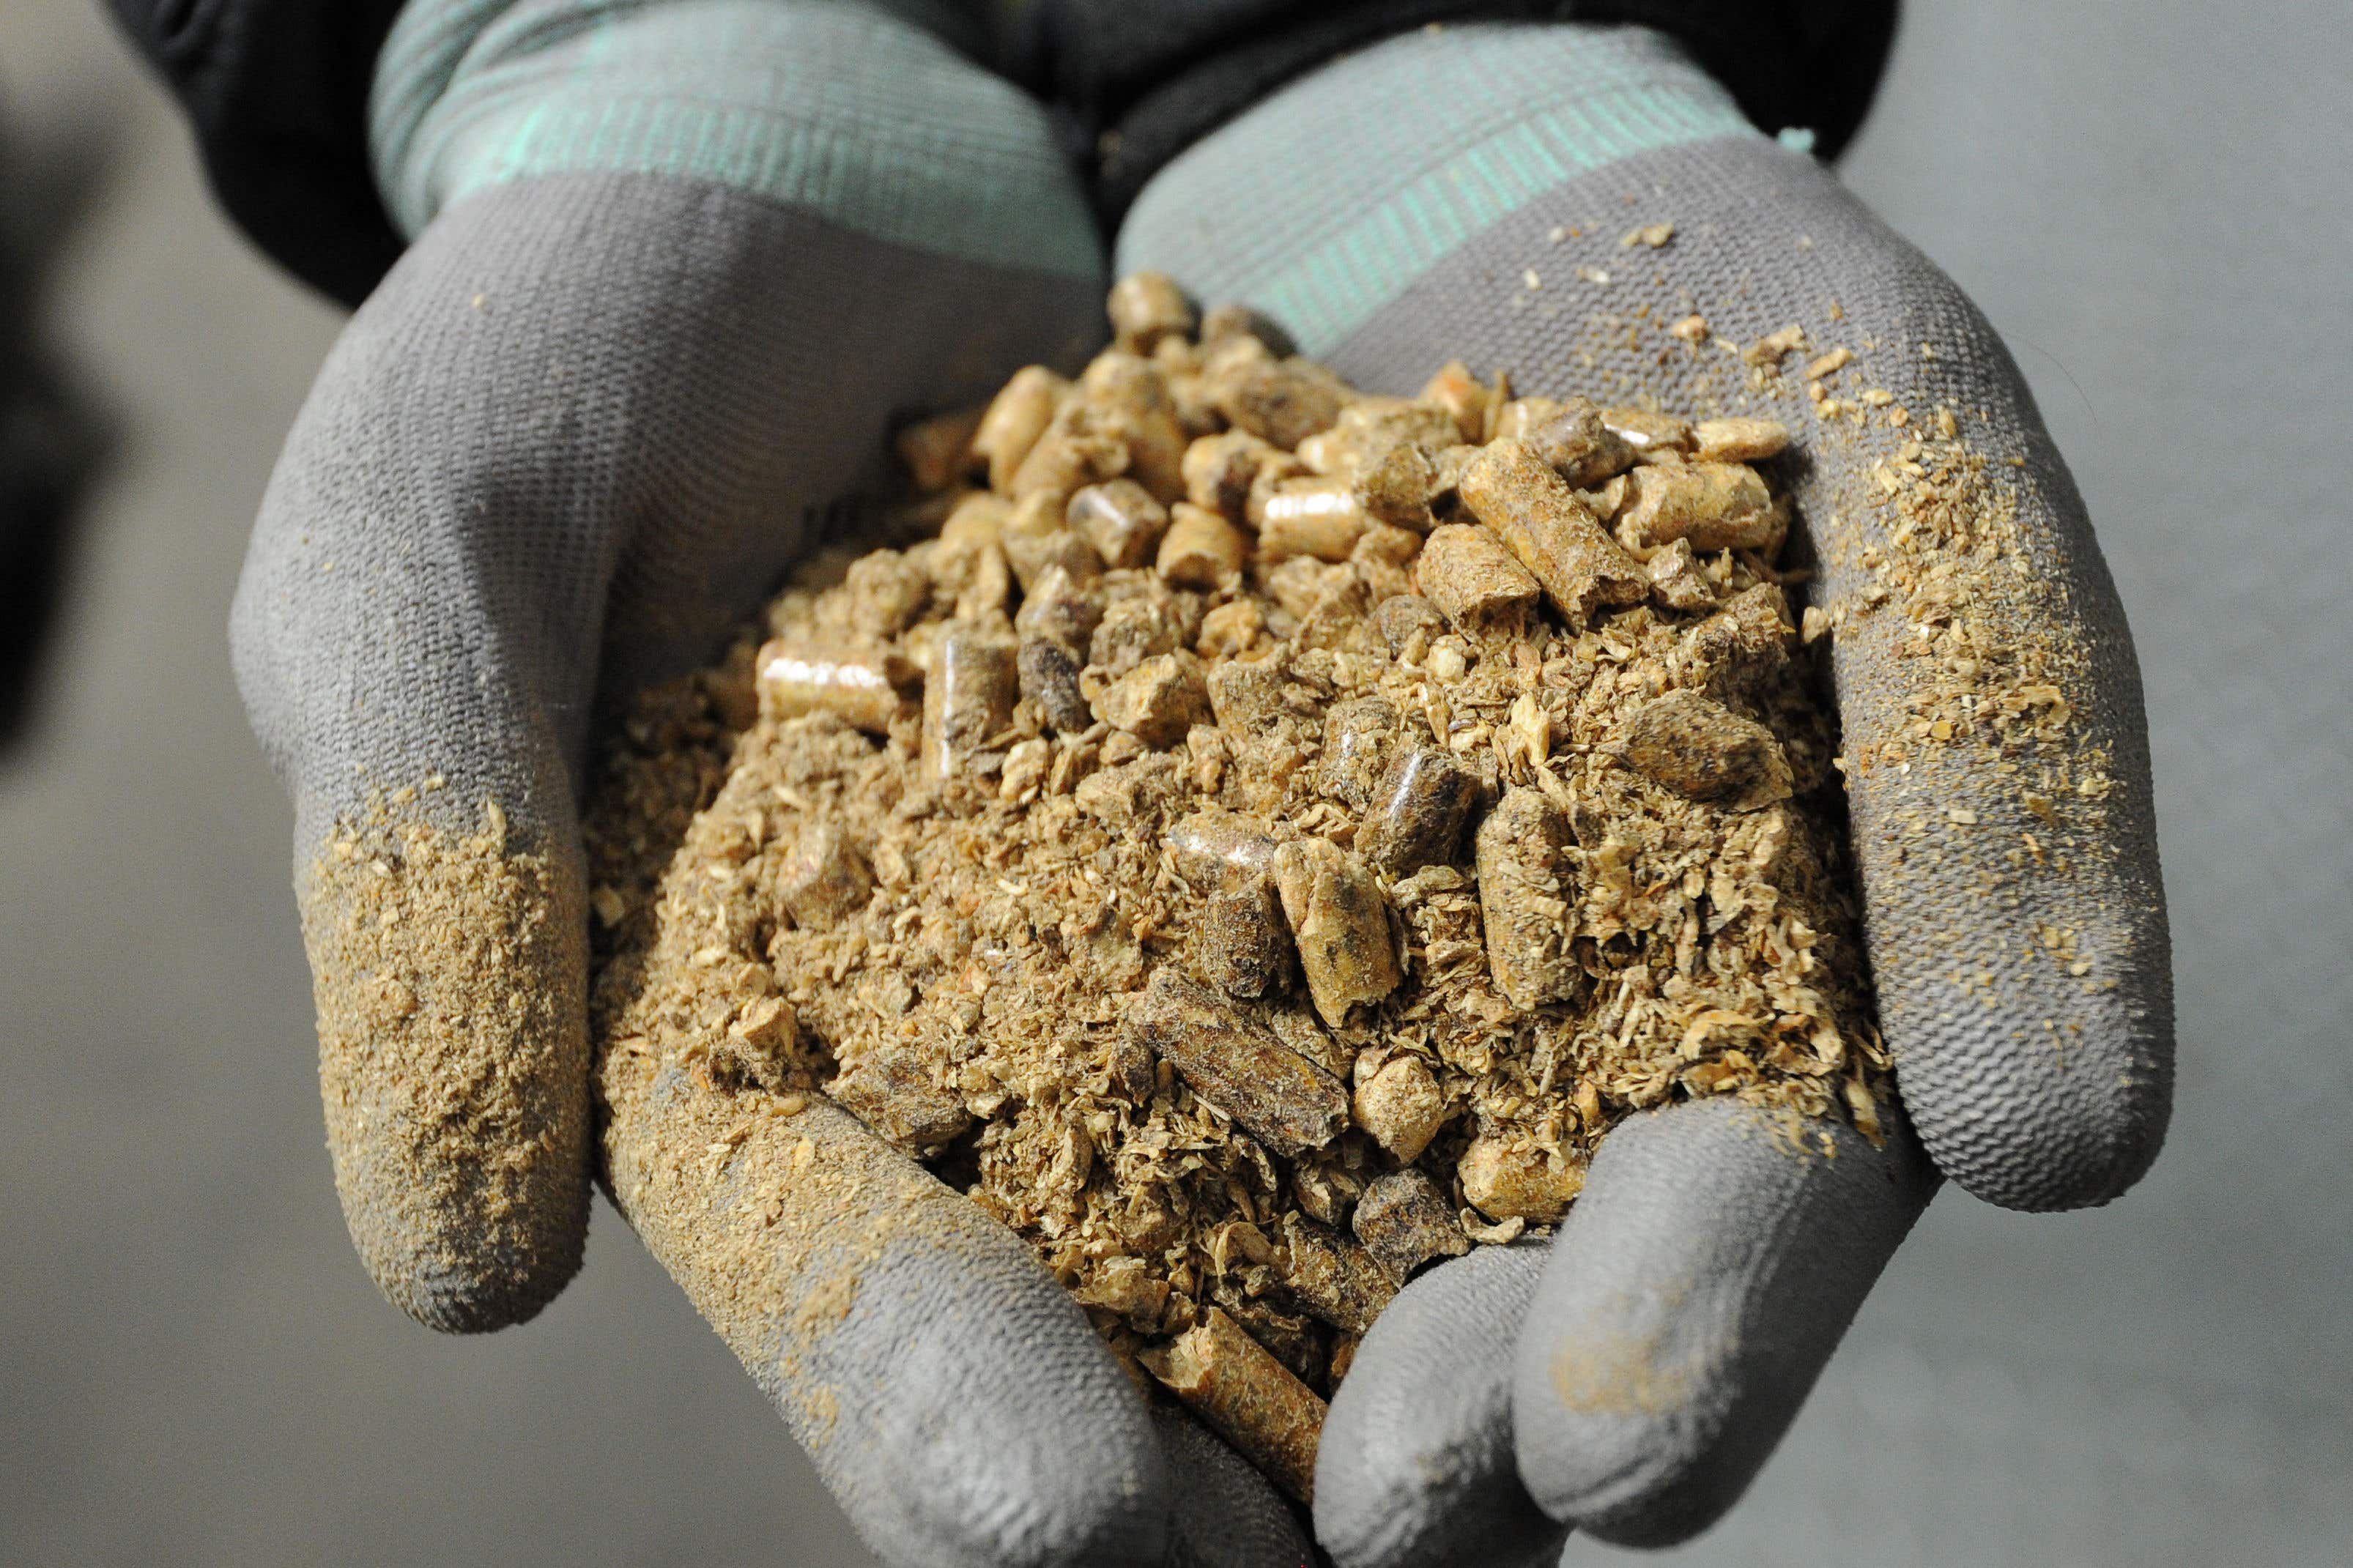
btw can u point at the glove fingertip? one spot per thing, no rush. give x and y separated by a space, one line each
449 978
1696 1289
2047 1125
1416 1468
475 1275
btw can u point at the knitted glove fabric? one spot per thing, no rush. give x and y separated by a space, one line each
1474 192
674 270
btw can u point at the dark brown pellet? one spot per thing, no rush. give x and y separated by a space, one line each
1404 1221
1238 1065
1418 812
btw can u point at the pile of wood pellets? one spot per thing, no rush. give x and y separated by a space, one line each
1262 837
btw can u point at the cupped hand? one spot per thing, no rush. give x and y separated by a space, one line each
1583 210
578 433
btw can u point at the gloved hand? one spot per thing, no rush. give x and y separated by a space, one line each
1471 192
674 267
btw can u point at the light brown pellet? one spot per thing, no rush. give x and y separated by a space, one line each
1340 920
758 1045
968 695
1231 629
1400 1105
1279 401
1650 435
1200 549
1209 842
887 592
1371 428
1158 700
823 876
1317 517
981 581
1463 396
1705 750
1223 324
1511 1180
1061 463
938 451
1127 400
1399 486
1357 734
1403 618
1120 519
978 519
1245 695
1523 414
866 687
1738 440
1034 539
1122 1285
1383 558
1465 572
1058 607
1245 1396
1219 470
896 1088
1742 652
1539 519
1145 307
1676 580
1716 506
1577 446
1014 420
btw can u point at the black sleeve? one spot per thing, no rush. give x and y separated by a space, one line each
1140 83
278 92
277 89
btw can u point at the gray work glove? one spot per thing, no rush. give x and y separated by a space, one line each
674 270
1474 192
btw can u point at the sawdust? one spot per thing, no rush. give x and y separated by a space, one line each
1246 929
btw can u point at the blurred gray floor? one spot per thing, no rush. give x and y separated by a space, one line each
2157 210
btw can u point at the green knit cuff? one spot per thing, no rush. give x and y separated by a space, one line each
1325 203
834 107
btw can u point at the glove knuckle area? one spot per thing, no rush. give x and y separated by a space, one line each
956 1402
1697 1288
1415 1466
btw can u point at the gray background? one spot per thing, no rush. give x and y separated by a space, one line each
2154 203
